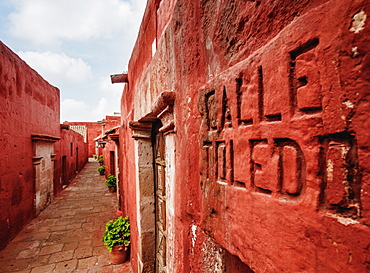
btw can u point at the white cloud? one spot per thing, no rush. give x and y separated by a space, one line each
49 22
103 108
47 33
109 89
74 110
57 68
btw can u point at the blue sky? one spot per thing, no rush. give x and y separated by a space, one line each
75 45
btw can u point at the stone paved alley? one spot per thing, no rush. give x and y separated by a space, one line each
67 235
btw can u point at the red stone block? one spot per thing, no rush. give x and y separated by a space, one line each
336 173
265 167
308 82
248 96
291 184
221 161
242 164
273 86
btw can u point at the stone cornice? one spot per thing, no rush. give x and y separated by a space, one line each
141 129
41 137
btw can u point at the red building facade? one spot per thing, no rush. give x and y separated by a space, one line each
248 121
91 130
71 156
27 103
32 144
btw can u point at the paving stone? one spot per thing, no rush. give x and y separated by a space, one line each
66 266
122 268
99 250
14 265
67 235
83 252
13 248
82 271
51 249
26 244
7 254
28 253
41 236
40 261
89 208
74 226
49 222
70 246
58 228
24 271
87 263
106 269
43 269
85 243
61 256
103 260
23 236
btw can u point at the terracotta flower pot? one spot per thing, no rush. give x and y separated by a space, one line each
118 254
112 189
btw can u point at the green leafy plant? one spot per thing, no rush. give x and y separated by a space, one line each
95 156
101 168
117 233
100 156
101 160
111 181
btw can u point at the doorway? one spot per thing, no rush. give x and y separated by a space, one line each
160 197
64 170
76 159
112 163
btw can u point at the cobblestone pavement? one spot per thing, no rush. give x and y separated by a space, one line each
67 235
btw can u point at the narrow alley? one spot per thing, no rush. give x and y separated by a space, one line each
67 235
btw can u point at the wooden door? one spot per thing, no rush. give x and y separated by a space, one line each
112 162
64 170
160 199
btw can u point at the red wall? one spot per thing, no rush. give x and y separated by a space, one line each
71 156
109 154
28 105
271 118
95 129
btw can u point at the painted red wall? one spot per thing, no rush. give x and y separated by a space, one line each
28 105
272 144
95 129
65 170
109 154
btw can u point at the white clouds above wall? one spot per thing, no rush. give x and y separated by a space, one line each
74 110
75 45
57 67
68 19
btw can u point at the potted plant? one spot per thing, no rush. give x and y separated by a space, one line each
95 157
117 238
101 170
111 183
101 160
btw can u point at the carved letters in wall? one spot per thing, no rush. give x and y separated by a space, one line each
253 130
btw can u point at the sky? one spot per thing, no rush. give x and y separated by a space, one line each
75 45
